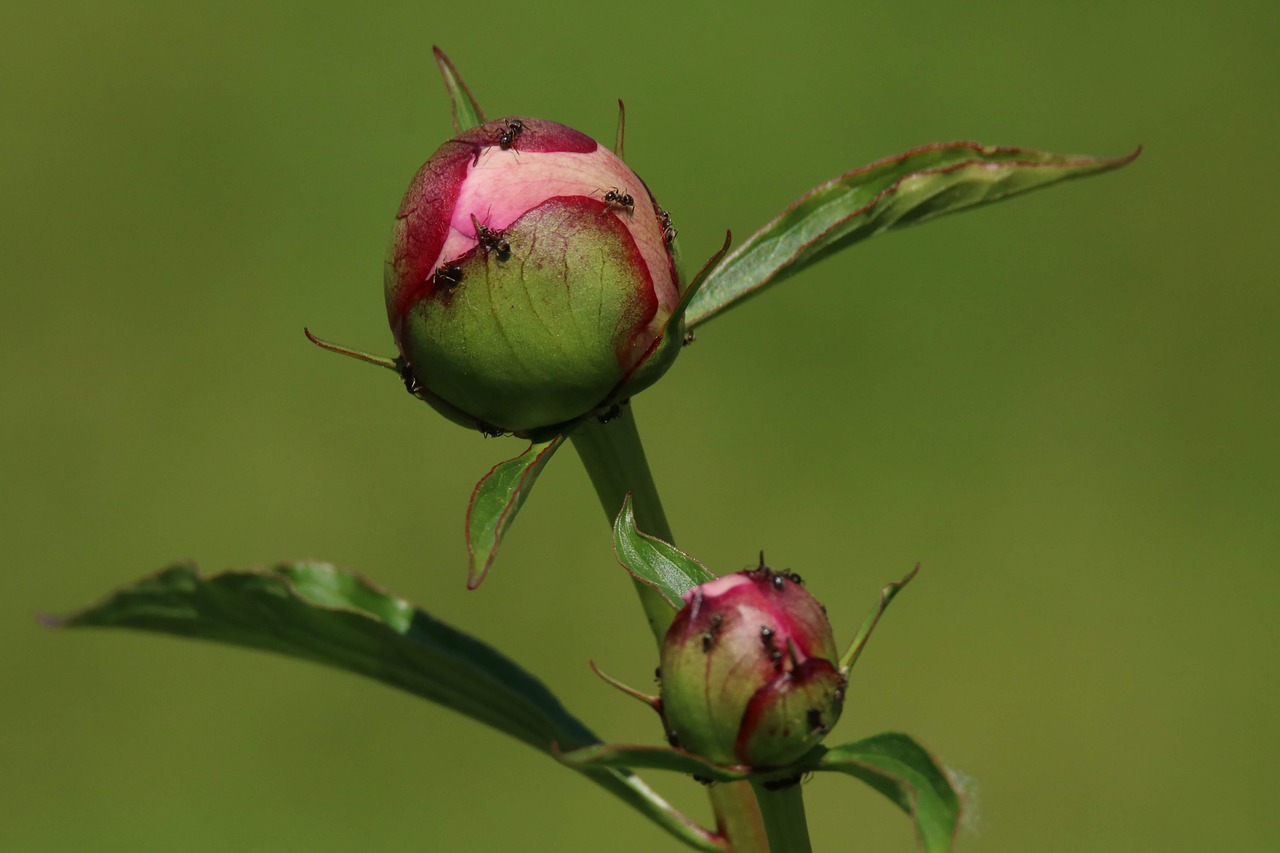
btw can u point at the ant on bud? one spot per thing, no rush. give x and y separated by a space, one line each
507 138
410 381
492 239
488 430
616 198
449 276
669 231
689 337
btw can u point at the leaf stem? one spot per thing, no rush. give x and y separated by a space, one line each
782 810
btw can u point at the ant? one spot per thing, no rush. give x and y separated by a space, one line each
507 138
717 620
492 239
615 198
669 231
411 383
449 275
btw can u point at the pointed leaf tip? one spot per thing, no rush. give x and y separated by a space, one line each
654 562
465 111
887 594
495 501
913 187
898 767
359 355
622 130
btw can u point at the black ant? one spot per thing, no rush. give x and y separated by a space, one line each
507 138
669 231
616 198
488 430
492 239
411 383
713 628
449 276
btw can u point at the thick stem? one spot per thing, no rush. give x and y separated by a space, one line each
738 817
614 459
782 810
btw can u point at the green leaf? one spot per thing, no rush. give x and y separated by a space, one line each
658 564
496 500
904 771
887 594
651 758
319 613
466 112
912 187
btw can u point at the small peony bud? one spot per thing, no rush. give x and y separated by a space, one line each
749 672
530 278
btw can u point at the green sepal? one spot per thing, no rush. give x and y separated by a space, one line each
904 771
913 187
466 112
496 500
543 337
887 594
654 562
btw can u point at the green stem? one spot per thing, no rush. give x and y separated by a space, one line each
783 812
615 461
738 817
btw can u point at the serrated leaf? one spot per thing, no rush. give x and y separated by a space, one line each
323 614
466 112
639 757
913 187
904 771
496 500
654 562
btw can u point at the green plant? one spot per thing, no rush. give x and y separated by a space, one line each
459 267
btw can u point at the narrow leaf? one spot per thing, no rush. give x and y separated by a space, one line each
912 187
496 500
650 758
690 294
466 112
659 564
319 613
904 771
887 594
619 139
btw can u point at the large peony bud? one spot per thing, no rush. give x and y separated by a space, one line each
749 672
530 278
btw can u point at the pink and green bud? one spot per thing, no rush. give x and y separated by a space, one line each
530 279
749 673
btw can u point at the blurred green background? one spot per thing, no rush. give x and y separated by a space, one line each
1066 407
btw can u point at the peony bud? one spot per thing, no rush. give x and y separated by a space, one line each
530 278
749 673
